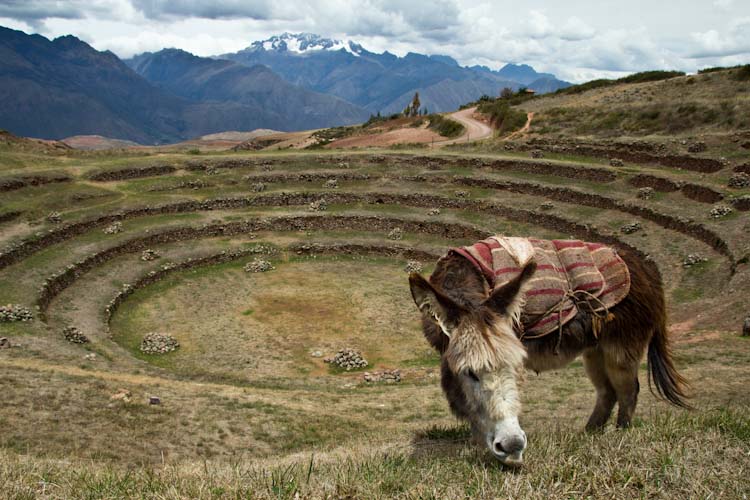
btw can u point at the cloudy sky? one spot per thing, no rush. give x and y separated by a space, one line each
576 40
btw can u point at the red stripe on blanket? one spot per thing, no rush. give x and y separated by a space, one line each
560 244
579 264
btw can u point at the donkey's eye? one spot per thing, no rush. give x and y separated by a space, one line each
472 375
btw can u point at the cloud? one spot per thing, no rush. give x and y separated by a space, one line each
732 42
579 41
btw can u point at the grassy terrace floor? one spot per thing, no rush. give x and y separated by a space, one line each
247 411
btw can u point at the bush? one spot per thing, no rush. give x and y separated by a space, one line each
503 117
445 126
643 76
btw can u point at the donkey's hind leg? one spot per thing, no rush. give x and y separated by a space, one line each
606 397
623 375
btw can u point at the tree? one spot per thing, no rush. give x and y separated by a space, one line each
413 109
506 93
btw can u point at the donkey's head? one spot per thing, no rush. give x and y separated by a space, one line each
484 357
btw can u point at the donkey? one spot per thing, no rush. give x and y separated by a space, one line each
476 332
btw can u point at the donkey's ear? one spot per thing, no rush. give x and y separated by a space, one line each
508 299
434 304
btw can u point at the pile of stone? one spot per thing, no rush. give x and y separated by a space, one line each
387 376
746 327
697 147
739 180
258 266
616 162
433 211
646 193
158 343
15 312
331 184
259 187
318 206
54 217
348 359
395 234
114 228
413 266
547 205
462 194
74 335
631 228
720 211
5 343
149 255
210 170
693 259
535 153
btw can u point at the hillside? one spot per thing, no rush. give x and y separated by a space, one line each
713 102
379 82
203 79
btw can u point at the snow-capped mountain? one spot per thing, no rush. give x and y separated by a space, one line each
379 82
300 43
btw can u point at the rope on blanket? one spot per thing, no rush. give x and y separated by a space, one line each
578 297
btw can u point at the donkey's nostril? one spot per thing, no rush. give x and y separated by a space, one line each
512 446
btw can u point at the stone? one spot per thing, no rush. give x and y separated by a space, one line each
149 255
74 335
387 376
697 147
395 234
54 217
318 206
317 354
720 211
616 162
631 228
433 211
14 312
331 184
90 356
547 205
536 153
5 343
154 400
259 187
158 343
645 193
746 327
693 259
114 228
462 194
348 359
258 266
739 180
413 266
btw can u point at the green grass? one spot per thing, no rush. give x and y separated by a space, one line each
445 126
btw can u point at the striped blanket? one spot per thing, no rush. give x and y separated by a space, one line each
570 275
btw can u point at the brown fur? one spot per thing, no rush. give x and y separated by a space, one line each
611 360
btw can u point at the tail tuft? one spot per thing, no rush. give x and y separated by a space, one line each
663 376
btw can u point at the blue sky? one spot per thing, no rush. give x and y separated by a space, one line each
576 40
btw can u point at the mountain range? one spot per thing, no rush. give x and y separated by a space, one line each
57 88
384 82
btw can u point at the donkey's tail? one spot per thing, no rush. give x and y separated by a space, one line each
663 376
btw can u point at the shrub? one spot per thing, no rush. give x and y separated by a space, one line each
503 117
445 126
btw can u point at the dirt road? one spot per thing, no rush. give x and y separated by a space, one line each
475 130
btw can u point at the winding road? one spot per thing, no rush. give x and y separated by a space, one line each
475 130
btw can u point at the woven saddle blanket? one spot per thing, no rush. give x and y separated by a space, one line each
571 275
